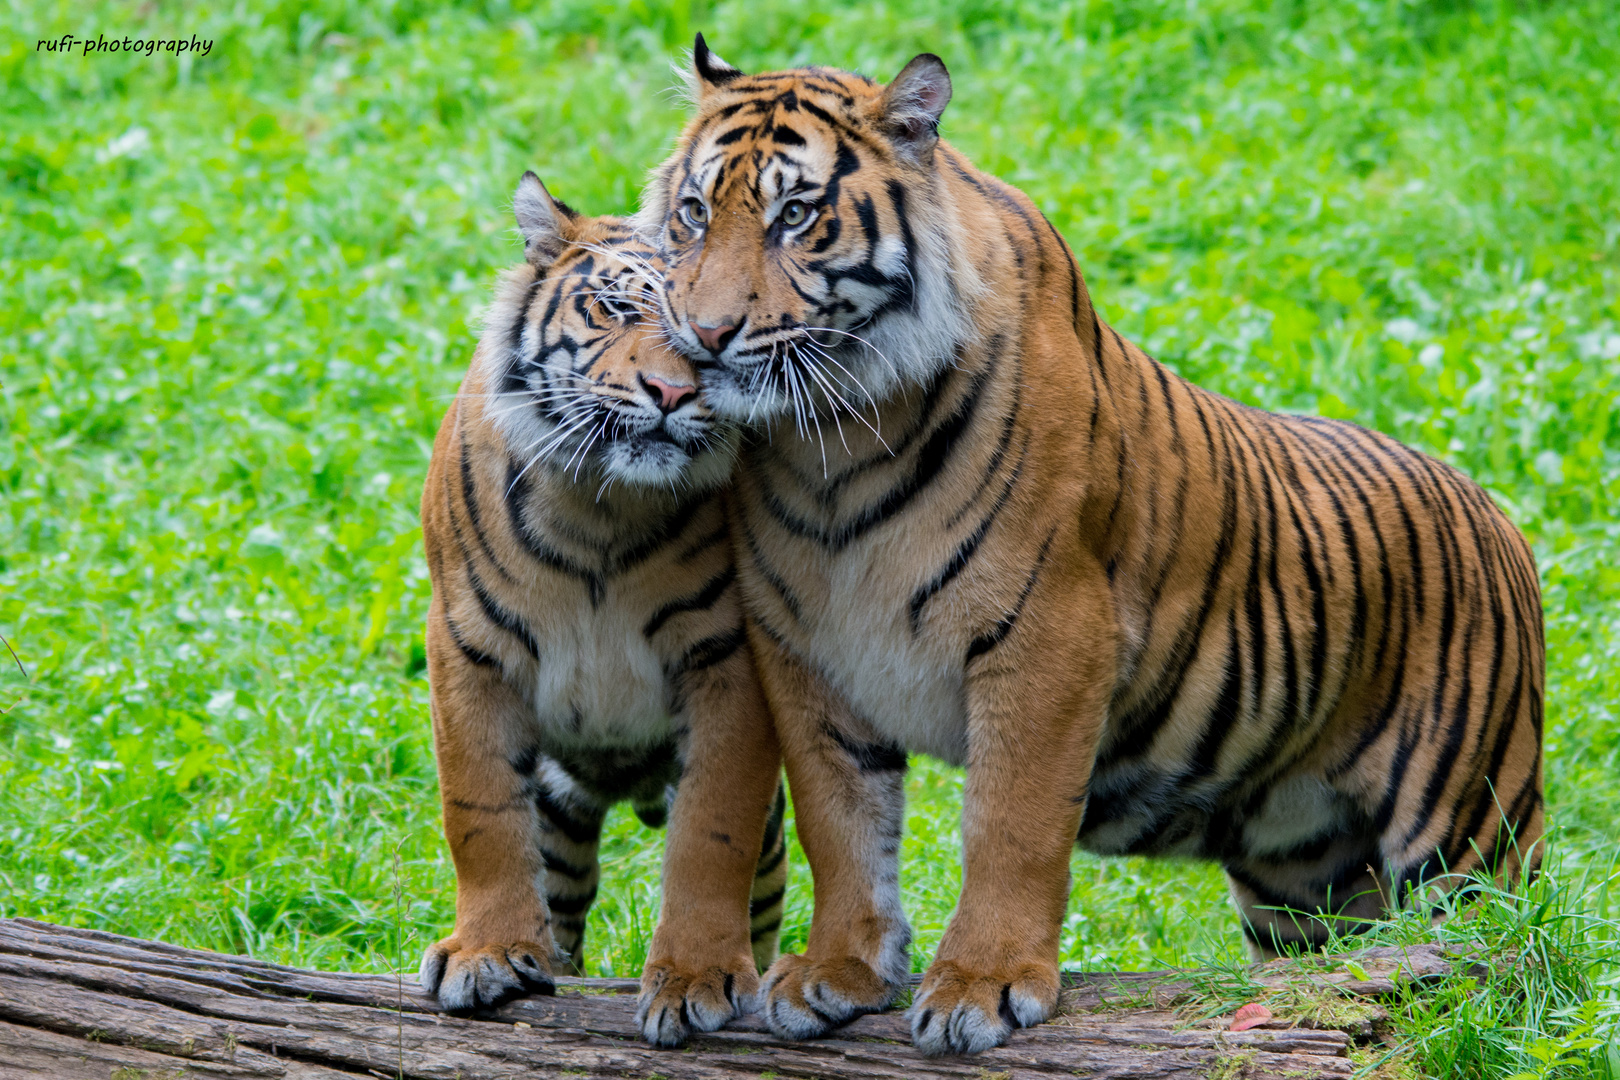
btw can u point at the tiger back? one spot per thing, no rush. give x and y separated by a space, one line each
979 523
585 641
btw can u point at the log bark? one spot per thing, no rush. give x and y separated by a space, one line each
83 1003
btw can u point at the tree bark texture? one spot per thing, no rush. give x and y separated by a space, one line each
83 1004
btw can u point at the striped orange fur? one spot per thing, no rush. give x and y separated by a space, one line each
586 644
974 521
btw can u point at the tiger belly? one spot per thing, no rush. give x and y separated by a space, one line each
1137 811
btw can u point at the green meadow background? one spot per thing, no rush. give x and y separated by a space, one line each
238 291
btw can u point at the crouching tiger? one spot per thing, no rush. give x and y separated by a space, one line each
1146 618
585 641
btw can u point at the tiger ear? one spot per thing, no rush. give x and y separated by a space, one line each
910 107
546 224
709 69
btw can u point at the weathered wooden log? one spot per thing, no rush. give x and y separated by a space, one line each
82 1003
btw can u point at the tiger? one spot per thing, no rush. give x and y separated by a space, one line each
585 642
974 521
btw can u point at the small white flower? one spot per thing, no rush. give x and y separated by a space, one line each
1403 330
131 144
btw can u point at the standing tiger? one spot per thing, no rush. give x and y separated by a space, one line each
977 523
585 641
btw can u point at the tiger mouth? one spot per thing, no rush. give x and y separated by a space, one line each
658 435
661 434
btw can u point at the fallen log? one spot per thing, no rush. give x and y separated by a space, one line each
81 1004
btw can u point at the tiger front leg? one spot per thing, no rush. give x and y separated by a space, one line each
700 969
849 802
502 946
1036 695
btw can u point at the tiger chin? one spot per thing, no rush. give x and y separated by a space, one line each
585 641
980 524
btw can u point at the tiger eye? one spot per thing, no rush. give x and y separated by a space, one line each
794 213
696 212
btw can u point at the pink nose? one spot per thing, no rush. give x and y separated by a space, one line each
715 338
669 396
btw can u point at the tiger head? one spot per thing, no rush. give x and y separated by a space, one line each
811 259
582 377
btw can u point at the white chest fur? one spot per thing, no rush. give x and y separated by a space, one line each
599 681
907 686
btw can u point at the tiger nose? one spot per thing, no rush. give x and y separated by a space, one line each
715 338
668 396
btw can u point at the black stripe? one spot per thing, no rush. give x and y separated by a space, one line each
560 818
481 659
931 459
668 531
907 296
704 543
1356 650
1074 274
1137 729
1488 565
1317 628
556 864
963 555
1291 696
868 756
773 826
992 465
514 336
772 578
469 499
571 905
853 134
1407 737
786 136
1227 711
1265 895
500 616
701 600
765 903
771 862
710 651
517 496
998 633
1457 728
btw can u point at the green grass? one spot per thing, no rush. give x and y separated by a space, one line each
236 299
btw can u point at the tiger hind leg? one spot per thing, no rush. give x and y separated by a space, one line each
570 834
770 886
1303 905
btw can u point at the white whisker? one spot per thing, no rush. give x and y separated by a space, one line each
816 372
840 400
881 354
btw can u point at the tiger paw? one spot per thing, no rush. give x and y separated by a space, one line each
957 1011
466 979
803 998
675 1001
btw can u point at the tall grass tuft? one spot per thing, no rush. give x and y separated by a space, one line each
1542 1004
1532 994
